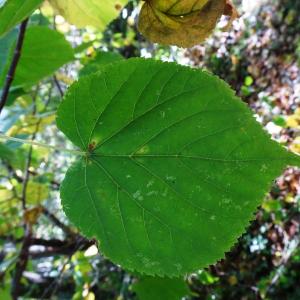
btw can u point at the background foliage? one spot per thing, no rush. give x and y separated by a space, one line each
259 57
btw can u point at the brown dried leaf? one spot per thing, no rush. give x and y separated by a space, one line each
183 23
31 215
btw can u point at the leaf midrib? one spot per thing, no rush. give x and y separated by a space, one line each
130 156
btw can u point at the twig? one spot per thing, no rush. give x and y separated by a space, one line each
26 178
53 243
21 264
14 64
52 181
58 223
20 179
29 156
60 247
291 248
59 88
55 284
24 256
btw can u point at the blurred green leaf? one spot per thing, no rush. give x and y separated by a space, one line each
5 152
13 12
249 81
207 278
152 288
100 61
44 51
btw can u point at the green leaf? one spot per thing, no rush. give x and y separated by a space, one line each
13 12
43 52
206 278
83 46
6 43
175 165
152 288
5 152
14 93
101 60
12 156
97 13
5 292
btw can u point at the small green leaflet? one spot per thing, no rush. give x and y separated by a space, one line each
97 13
43 52
175 165
13 12
153 288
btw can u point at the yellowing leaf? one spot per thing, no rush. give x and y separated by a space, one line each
64 78
97 13
290 198
30 124
183 23
31 215
6 195
232 280
4 228
293 121
36 192
90 296
296 145
9 218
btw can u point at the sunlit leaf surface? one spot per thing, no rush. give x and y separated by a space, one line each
175 165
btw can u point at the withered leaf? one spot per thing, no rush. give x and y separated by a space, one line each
182 23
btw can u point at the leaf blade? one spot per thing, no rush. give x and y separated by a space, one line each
14 11
171 166
86 12
39 56
182 23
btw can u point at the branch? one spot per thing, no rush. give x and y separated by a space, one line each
14 64
54 243
21 264
57 247
68 231
23 255
26 178
59 88
291 248
52 181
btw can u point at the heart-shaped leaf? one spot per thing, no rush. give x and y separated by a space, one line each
174 168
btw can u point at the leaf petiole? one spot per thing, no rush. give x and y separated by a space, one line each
34 143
